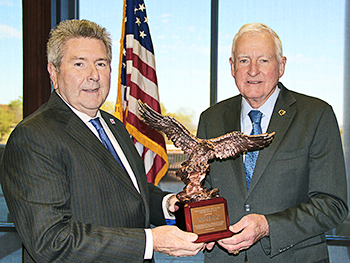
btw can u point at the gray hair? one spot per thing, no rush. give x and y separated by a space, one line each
259 28
69 29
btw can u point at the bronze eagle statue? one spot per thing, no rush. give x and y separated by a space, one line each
200 151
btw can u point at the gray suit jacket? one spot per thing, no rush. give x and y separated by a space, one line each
299 182
70 200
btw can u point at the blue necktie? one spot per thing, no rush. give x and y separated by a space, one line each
251 157
105 140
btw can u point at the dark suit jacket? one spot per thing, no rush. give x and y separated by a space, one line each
70 200
299 182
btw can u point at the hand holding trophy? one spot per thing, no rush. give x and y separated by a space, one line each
205 213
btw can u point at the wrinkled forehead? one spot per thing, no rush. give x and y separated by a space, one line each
255 44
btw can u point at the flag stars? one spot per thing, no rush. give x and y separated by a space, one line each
142 34
138 21
142 7
146 20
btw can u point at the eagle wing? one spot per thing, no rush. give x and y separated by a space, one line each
234 143
173 129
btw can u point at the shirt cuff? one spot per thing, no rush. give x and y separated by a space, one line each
149 244
166 212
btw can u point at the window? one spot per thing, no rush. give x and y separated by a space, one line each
10 106
12 66
312 35
181 40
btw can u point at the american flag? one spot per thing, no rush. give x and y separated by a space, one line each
138 80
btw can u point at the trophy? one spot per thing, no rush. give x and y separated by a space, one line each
201 210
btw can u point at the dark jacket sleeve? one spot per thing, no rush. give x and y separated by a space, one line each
327 191
156 199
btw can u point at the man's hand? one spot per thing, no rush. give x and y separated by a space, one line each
171 241
171 204
249 230
209 246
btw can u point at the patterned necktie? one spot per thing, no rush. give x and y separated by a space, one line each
251 157
105 140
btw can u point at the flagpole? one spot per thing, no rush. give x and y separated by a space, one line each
214 51
119 105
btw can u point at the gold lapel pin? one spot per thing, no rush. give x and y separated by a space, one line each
281 112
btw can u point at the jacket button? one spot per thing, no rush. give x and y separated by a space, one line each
247 208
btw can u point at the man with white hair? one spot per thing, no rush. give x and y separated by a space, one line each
281 199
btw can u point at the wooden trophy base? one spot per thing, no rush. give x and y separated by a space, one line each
207 218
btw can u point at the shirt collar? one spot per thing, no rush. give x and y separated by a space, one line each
266 108
83 116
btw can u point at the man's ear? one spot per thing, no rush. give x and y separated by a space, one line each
232 64
282 66
53 75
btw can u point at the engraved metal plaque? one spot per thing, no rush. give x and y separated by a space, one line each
207 218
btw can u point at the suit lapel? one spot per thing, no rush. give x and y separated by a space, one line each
129 151
132 156
232 122
82 134
232 115
282 116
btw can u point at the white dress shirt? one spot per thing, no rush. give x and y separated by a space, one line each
266 109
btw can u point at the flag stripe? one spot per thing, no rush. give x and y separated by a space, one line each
158 162
136 92
148 158
138 78
145 129
140 51
143 67
149 144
